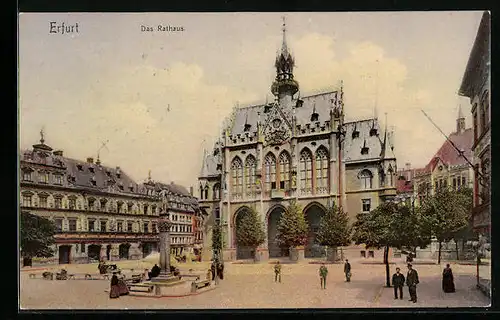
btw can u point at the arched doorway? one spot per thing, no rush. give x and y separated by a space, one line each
313 214
94 252
275 250
108 252
123 250
242 252
64 254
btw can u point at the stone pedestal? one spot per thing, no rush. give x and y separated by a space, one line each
331 254
261 255
297 254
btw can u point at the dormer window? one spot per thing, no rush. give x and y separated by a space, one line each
299 103
267 108
314 117
121 187
91 169
94 183
108 173
355 134
80 167
373 132
365 150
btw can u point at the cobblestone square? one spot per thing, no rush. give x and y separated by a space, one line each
253 286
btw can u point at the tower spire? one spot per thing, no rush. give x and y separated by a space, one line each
284 47
284 84
42 140
460 120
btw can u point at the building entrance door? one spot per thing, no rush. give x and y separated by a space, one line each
64 254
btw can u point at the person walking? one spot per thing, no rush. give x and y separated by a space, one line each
448 283
277 272
347 271
398 281
114 291
411 282
323 272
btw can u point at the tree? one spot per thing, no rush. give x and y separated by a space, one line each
389 225
216 237
37 236
334 229
250 230
446 214
292 227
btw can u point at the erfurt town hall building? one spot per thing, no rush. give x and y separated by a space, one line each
294 148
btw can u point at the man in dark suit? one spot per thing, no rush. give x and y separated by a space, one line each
398 281
411 282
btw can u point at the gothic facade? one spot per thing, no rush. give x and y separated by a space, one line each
293 148
99 211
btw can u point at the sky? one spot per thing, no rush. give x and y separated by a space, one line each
159 98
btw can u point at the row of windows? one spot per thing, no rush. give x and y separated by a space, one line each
103 226
480 125
181 240
215 194
482 182
180 218
181 228
43 177
457 183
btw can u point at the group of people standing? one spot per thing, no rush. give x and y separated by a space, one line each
398 281
216 266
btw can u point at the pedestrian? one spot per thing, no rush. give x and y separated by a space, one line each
323 272
209 275
448 284
277 272
122 286
411 282
398 281
212 267
347 271
114 291
220 270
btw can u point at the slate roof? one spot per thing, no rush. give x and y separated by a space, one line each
103 176
173 188
374 143
449 155
209 166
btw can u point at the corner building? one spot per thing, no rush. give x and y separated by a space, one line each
293 148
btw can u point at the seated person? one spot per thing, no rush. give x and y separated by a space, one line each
155 272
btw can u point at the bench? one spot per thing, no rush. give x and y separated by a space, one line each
134 287
198 285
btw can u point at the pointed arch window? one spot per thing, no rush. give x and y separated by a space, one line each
250 171
284 171
321 170
366 178
216 195
206 192
306 171
237 175
270 171
201 192
390 173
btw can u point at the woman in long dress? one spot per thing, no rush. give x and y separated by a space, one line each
448 283
114 291
122 286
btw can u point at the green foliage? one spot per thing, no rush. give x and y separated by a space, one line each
250 230
217 237
334 229
292 227
447 213
37 236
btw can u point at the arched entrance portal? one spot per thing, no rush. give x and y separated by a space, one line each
64 254
275 250
313 214
242 252
123 250
94 252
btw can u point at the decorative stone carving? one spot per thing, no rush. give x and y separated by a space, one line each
277 128
164 225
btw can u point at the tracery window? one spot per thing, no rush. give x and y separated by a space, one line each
250 171
366 178
216 195
284 171
206 192
321 170
237 174
306 171
390 173
201 192
270 171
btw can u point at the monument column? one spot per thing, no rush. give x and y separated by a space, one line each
164 226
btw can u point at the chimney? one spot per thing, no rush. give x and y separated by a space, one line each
58 153
90 160
191 192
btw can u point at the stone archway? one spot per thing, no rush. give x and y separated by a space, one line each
275 250
123 250
108 252
94 252
242 252
313 213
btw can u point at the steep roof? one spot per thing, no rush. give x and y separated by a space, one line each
354 143
404 186
449 155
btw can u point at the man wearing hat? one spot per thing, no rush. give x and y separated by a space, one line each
411 282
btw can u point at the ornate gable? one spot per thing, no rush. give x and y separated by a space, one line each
277 128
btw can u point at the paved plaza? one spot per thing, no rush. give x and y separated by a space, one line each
252 286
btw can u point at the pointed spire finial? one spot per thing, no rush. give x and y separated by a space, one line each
149 175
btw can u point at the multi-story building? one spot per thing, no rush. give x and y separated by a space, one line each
289 149
182 209
447 168
100 212
404 184
476 86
